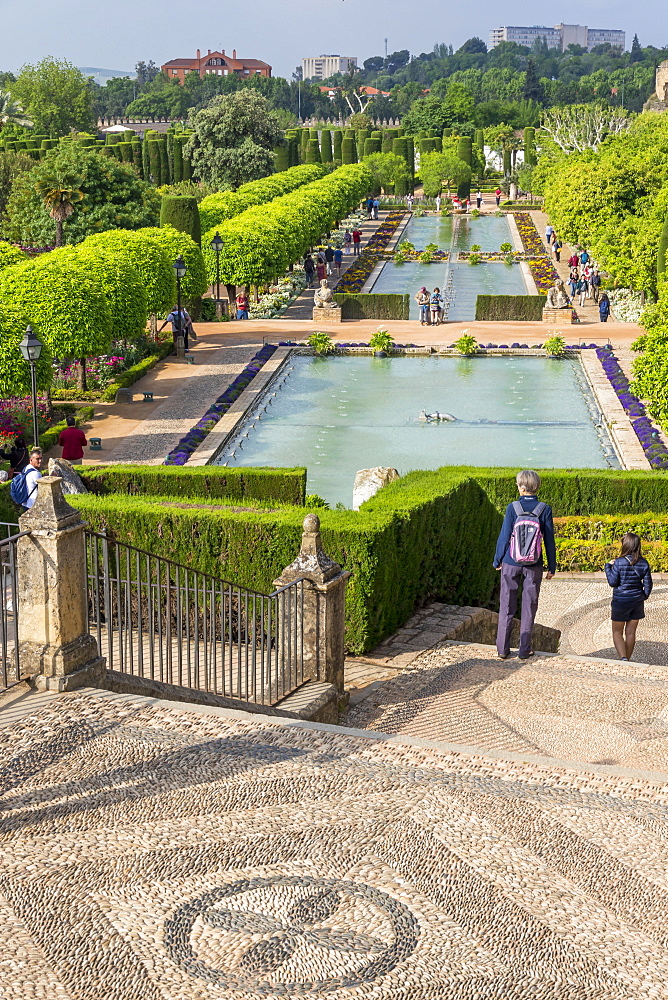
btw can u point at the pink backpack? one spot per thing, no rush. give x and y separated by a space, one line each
526 539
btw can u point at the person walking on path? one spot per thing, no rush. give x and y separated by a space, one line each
242 306
584 258
376 207
573 260
338 260
604 308
595 283
369 207
556 248
309 268
527 526
329 257
348 241
631 579
497 195
17 456
357 241
478 199
573 279
73 441
422 299
321 268
23 489
549 229
181 323
581 289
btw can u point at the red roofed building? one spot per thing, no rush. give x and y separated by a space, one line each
215 64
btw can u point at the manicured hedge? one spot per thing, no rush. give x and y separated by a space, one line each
373 306
213 482
181 212
611 527
263 241
14 372
521 308
10 255
216 208
403 550
174 242
150 261
582 556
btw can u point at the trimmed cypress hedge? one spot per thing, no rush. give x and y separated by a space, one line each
181 212
583 556
213 482
373 306
611 527
348 151
131 375
522 308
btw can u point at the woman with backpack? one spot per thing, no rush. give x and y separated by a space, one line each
527 526
631 579
436 306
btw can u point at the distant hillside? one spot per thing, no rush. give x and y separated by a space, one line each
102 75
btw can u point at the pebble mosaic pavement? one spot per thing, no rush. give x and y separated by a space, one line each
154 853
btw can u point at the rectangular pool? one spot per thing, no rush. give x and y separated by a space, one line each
338 415
458 232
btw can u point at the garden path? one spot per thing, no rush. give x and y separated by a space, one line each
157 851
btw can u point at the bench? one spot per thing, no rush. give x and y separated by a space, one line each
190 359
148 397
95 444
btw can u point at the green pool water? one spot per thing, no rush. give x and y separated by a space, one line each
338 415
458 232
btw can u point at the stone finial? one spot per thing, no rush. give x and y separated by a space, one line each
312 562
51 509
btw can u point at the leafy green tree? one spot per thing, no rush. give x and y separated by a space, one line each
636 50
11 112
14 372
12 166
438 169
114 197
386 168
56 96
59 187
532 90
233 139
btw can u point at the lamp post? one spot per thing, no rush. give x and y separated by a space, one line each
217 246
31 349
179 271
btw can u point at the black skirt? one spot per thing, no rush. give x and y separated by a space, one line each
629 610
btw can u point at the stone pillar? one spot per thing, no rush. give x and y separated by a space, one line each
54 641
324 606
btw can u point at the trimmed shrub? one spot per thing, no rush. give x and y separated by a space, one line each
326 153
213 482
348 151
65 305
663 250
582 556
313 151
172 243
14 371
216 208
530 147
337 142
155 165
373 306
281 158
522 308
131 375
152 263
371 146
610 528
465 153
115 274
49 439
182 213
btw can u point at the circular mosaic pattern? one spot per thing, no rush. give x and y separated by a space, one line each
291 934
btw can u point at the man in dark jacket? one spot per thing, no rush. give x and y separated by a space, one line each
528 484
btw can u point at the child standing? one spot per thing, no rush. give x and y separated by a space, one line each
631 579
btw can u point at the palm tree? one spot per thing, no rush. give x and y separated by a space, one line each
60 190
11 112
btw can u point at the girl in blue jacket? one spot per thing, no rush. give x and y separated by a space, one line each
631 579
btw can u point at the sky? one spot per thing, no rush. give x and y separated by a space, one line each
117 35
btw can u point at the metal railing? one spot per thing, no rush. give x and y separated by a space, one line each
10 671
7 529
157 619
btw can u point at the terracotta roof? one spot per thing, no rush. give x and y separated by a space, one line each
180 62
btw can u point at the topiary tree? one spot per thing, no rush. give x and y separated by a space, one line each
337 140
464 152
63 302
14 371
182 213
348 151
153 265
119 279
173 243
281 157
326 153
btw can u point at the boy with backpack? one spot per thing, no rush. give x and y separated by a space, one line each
527 525
23 487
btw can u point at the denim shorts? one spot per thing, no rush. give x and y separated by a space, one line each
626 611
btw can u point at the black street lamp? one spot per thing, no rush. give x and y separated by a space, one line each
31 349
217 246
180 271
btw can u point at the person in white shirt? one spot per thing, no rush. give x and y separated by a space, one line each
478 199
32 474
438 203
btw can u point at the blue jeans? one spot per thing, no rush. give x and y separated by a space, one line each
424 314
242 313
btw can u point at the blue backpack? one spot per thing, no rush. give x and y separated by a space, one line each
18 488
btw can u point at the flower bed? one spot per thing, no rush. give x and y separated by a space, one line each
280 295
193 439
531 239
357 275
627 305
648 435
